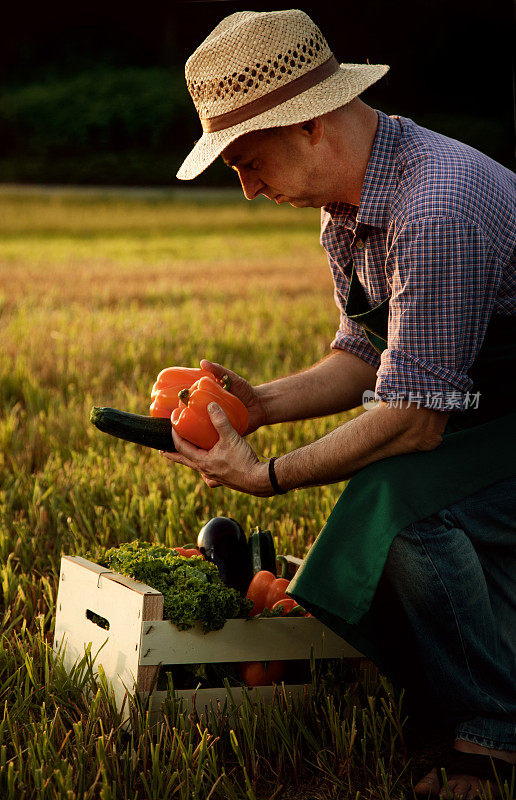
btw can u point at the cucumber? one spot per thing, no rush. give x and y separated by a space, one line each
155 432
261 550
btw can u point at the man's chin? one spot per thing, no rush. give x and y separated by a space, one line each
297 202
304 204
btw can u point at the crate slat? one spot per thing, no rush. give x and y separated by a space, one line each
242 640
201 699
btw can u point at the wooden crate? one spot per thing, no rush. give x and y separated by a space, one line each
139 640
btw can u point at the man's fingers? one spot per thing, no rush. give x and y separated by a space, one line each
219 372
217 369
178 458
220 421
187 450
239 386
194 457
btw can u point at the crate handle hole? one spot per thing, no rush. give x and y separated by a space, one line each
102 622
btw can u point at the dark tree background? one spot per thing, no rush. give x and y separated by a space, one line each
95 93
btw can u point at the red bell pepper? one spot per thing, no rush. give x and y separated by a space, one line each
288 604
265 590
188 552
253 673
191 419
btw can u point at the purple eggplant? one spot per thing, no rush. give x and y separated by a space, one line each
223 542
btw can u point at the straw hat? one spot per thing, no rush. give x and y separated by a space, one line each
261 70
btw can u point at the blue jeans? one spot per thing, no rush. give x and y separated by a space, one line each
450 580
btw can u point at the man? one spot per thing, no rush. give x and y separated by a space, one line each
420 233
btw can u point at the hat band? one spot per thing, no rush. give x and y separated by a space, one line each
272 99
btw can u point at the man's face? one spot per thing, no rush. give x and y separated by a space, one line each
279 163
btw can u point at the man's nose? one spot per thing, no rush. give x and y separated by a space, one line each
252 186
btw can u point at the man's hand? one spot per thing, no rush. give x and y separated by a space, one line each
376 434
231 461
244 391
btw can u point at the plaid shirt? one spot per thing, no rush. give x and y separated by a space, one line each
436 232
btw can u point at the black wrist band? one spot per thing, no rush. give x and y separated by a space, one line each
272 477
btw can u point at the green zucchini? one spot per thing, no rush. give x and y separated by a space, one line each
261 550
155 432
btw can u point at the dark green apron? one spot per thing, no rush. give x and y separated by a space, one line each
385 497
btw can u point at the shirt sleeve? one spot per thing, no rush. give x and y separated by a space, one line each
443 294
351 337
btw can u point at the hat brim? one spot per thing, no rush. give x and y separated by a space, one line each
337 90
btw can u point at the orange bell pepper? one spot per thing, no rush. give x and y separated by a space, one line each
169 382
191 419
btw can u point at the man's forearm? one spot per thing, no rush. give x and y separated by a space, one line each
332 385
377 434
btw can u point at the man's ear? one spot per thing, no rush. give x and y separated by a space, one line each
314 128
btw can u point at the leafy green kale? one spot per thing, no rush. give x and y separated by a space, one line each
192 588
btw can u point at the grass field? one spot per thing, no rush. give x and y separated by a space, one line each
97 294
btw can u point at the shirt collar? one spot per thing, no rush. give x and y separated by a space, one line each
379 182
342 214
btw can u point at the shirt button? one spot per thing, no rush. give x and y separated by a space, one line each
359 244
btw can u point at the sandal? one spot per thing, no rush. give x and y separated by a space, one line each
480 766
